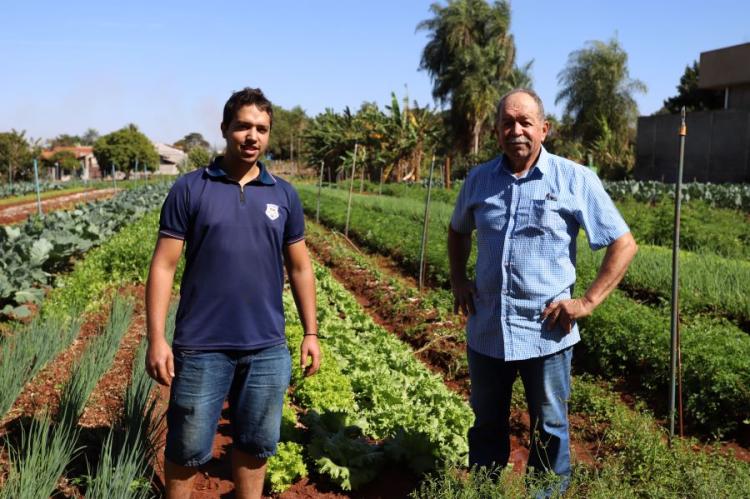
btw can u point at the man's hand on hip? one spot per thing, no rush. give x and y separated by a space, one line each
160 362
565 312
464 292
310 347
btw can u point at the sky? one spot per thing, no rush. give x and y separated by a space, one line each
169 66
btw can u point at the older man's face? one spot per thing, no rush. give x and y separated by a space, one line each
521 130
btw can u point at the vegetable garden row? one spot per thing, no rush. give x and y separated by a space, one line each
730 196
32 252
626 448
624 336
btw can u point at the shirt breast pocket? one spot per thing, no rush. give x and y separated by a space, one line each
537 217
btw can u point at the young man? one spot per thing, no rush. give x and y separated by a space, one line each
241 226
527 207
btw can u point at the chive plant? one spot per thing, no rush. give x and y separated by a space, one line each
45 451
28 349
95 361
124 465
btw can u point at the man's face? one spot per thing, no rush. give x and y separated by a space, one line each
247 135
521 129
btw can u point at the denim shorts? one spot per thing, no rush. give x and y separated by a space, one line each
254 382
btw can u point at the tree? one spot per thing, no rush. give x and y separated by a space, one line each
692 97
287 130
89 137
198 157
596 86
470 57
65 140
122 148
561 141
65 160
392 143
191 141
17 155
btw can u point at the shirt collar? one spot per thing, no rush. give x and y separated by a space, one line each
542 164
215 170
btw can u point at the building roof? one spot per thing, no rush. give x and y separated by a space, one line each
79 151
725 67
169 154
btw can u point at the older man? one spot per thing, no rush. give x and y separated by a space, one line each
527 207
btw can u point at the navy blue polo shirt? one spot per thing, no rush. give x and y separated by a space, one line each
231 291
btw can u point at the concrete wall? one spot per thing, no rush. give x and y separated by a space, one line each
717 147
739 97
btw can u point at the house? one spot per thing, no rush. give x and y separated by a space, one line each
728 69
171 159
717 145
84 154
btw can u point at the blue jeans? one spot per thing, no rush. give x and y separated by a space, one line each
254 381
546 381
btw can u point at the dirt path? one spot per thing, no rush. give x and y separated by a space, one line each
19 212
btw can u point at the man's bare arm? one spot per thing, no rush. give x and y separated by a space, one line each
464 291
159 360
302 281
614 265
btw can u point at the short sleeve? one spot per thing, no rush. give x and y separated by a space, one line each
462 220
597 214
173 221
294 230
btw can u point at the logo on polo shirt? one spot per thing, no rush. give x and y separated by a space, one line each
272 211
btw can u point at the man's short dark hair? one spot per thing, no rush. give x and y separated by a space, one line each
526 91
246 97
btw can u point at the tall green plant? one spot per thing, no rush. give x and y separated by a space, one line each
45 451
595 86
29 349
95 361
470 57
123 148
121 472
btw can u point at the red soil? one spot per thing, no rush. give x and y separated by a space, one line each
18 212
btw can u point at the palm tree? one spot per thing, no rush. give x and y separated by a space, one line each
596 88
470 57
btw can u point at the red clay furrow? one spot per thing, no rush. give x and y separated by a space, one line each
106 401
15 213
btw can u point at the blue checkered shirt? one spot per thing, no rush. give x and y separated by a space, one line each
526 249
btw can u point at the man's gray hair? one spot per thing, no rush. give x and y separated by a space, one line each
526 91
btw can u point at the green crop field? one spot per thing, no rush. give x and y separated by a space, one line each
389 395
